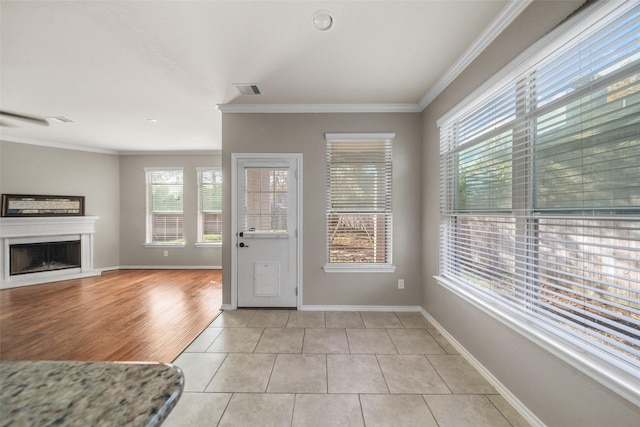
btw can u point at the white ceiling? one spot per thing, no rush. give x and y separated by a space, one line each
112 65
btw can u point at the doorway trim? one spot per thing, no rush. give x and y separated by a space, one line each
235 157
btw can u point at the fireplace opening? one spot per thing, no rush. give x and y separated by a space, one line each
37 257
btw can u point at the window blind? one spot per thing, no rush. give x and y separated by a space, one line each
359 189
210 215
165 205
540 191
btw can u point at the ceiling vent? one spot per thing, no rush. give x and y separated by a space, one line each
247 89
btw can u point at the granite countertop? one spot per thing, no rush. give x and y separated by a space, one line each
42 393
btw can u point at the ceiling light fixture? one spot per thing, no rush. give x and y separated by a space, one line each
322 20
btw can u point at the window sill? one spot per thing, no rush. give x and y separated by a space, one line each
164 245
359 268
615 379
208 244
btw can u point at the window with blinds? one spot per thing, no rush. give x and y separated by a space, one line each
209 205
165 219
540 190
359 189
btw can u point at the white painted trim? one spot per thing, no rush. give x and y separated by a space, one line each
226 307
27 141
398 308
359 268
165 267
550 42
297 157
317 108
165 245
96 150
525 412
510 12
387 136
171 153
615 379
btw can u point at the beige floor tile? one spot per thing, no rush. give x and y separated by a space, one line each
370 341
414 341
264 410
233 319
270 319
321 410
198 369
198 409
243 373
380 319
325 341
465 411
280 340
460 376
411 374
413 320
396 411
306 319
508 411
204 340
236 340
351 373
446 345
299 373
343 319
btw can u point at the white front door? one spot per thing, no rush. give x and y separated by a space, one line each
266 231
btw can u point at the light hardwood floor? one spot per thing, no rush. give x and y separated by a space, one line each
125 315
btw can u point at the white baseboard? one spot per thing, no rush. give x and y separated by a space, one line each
166 267
529 416
403 308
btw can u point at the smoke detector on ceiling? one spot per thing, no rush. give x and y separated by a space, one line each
247 89
322 20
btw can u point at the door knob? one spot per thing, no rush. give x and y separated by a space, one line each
242 245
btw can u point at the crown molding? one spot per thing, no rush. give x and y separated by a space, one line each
508 14
57 145
318 108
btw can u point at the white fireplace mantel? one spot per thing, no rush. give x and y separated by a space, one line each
46 229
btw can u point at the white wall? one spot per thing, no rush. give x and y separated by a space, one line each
557 393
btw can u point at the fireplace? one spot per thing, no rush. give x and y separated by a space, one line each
28 258
45 249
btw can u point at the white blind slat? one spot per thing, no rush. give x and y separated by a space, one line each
540 191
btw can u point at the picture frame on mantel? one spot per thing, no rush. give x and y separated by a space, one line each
26 205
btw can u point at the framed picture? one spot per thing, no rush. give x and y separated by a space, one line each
38 205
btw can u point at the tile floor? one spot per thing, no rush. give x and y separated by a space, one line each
304 368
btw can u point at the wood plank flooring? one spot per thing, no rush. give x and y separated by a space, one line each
125 315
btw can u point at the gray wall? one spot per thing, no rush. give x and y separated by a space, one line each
31 169
557 393
304 133
133 213
114 190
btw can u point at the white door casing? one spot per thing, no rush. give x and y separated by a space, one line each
266 213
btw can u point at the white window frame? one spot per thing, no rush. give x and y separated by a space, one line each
608 373
149 217
386 267
200 242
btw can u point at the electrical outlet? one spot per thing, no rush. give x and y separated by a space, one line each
166 253
400 283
